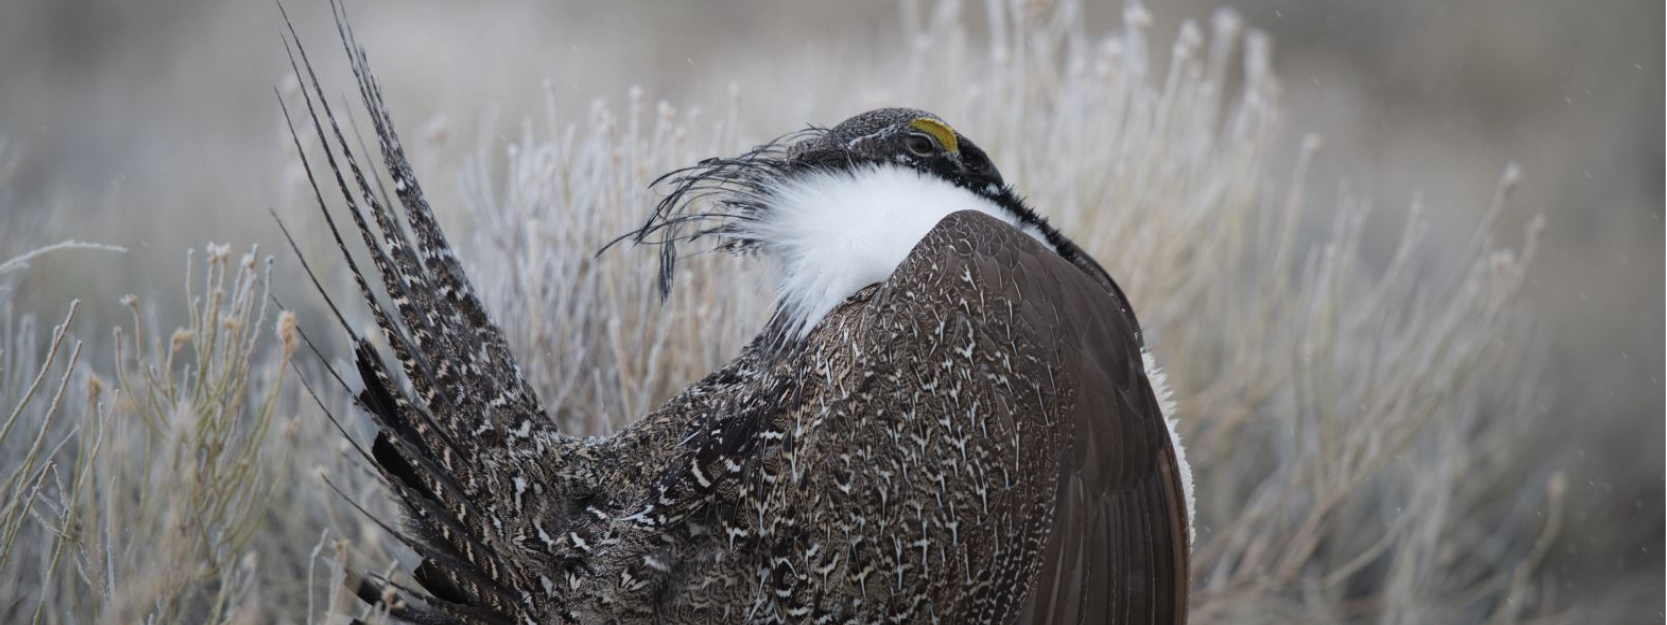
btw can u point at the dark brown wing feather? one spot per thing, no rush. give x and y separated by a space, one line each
1118 550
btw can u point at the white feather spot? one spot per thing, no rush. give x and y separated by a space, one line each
1166 404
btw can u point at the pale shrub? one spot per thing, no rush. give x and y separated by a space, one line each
1356 425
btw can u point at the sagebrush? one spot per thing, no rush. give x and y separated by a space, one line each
1359 426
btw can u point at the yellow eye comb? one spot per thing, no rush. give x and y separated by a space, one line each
939 130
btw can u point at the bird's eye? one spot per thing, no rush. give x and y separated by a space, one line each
919 145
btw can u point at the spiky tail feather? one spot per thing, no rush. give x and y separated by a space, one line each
469 395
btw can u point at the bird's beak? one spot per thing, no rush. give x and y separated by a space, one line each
966 171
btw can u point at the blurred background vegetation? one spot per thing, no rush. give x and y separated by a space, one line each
153 125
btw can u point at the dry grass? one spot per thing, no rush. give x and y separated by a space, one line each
1361 428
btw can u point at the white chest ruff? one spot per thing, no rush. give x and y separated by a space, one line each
831 234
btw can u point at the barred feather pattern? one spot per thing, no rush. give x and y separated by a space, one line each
887 467
788 487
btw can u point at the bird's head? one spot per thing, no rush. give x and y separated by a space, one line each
837 209
902 137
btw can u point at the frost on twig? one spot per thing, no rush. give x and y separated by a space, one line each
21 261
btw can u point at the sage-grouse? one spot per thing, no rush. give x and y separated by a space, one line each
949 419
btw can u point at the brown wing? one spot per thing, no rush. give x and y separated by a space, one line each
1118 550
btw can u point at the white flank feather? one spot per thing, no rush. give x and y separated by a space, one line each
1166 405
829 234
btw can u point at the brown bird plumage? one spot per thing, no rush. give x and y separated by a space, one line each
972 439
